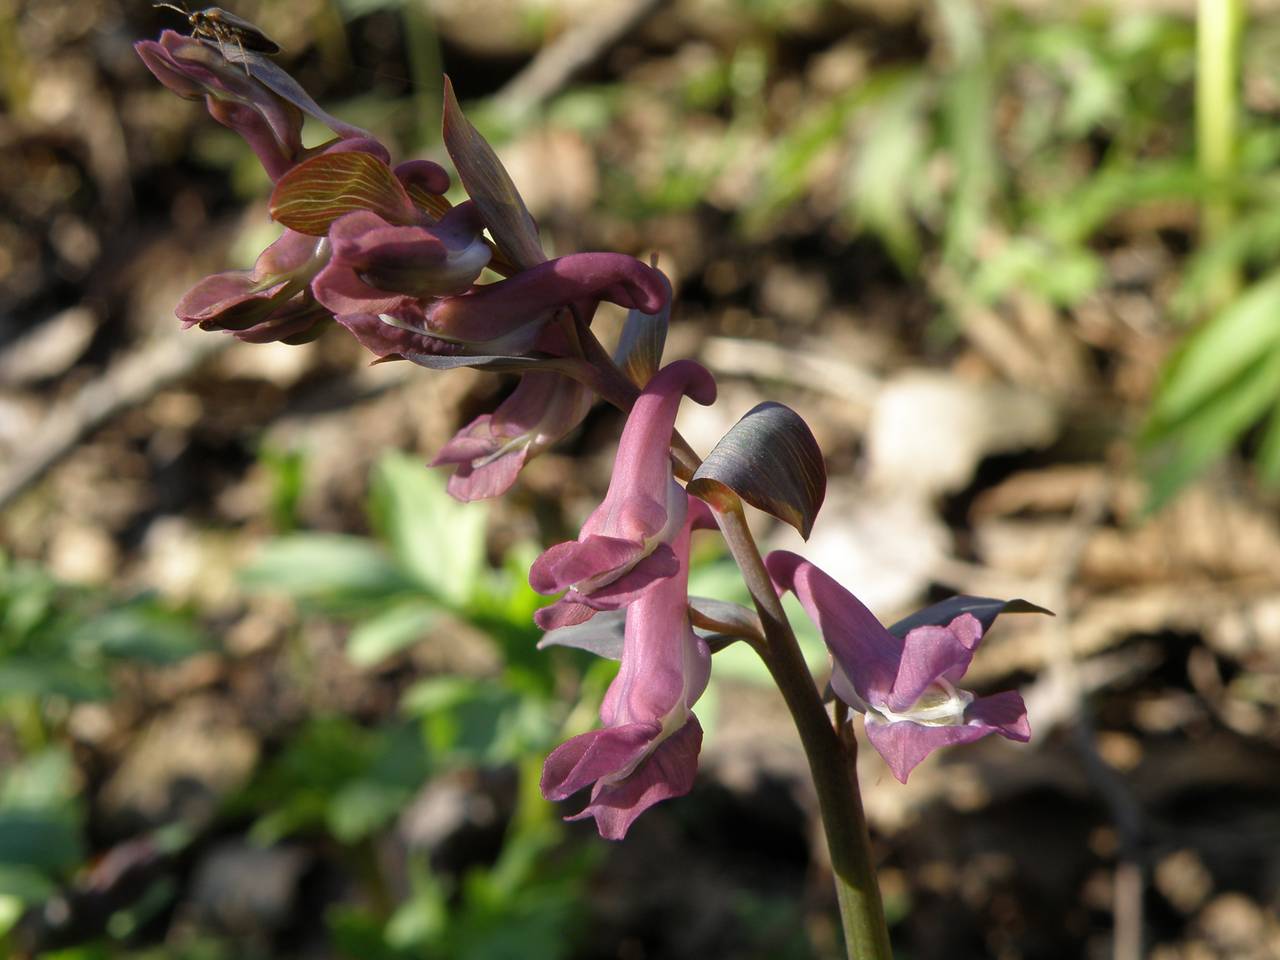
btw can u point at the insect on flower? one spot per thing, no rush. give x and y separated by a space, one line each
214 23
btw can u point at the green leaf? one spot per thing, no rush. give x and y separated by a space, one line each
47 840
1268 456
438 540
1073 218
1217 355
489 185
361 807
1179 454
772 461
48 676
885 175
318 191
142 632
389 632
327 568
423 918
43 781
39 819
478 721
27 885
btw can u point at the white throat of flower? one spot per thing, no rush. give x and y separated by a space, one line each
942 705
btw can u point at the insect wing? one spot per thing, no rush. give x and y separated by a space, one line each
227 26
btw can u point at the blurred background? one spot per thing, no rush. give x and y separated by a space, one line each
266 691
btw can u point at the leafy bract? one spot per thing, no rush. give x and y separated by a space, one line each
640 345
318 191
287 88
986 609
489 185
601 635
771 460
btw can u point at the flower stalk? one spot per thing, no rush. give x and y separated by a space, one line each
831 759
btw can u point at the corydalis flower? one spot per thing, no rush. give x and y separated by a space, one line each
375 264
506 317
269 302
906 688
648 748
491 450
625 545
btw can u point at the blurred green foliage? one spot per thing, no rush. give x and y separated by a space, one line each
61 645
333 778
349 782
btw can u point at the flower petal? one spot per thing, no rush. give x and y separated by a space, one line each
565 612
586 758
866 652
667 772
1003 712
904 744
565 564
930 654
491 450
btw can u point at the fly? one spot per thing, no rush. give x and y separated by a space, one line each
214 23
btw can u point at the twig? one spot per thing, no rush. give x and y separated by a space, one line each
574 50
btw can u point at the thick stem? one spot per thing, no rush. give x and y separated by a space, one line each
831 760
831 763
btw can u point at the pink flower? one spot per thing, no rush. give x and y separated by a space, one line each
491 450
905 688
506 317
376 264
648 748
269 302
625 545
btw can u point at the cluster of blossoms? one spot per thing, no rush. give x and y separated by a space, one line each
381 251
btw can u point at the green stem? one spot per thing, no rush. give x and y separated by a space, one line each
1218 30
831 759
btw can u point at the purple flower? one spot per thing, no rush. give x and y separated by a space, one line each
491 450
625 545
264 105
376 264
906 688
497 318
269 302
648 748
